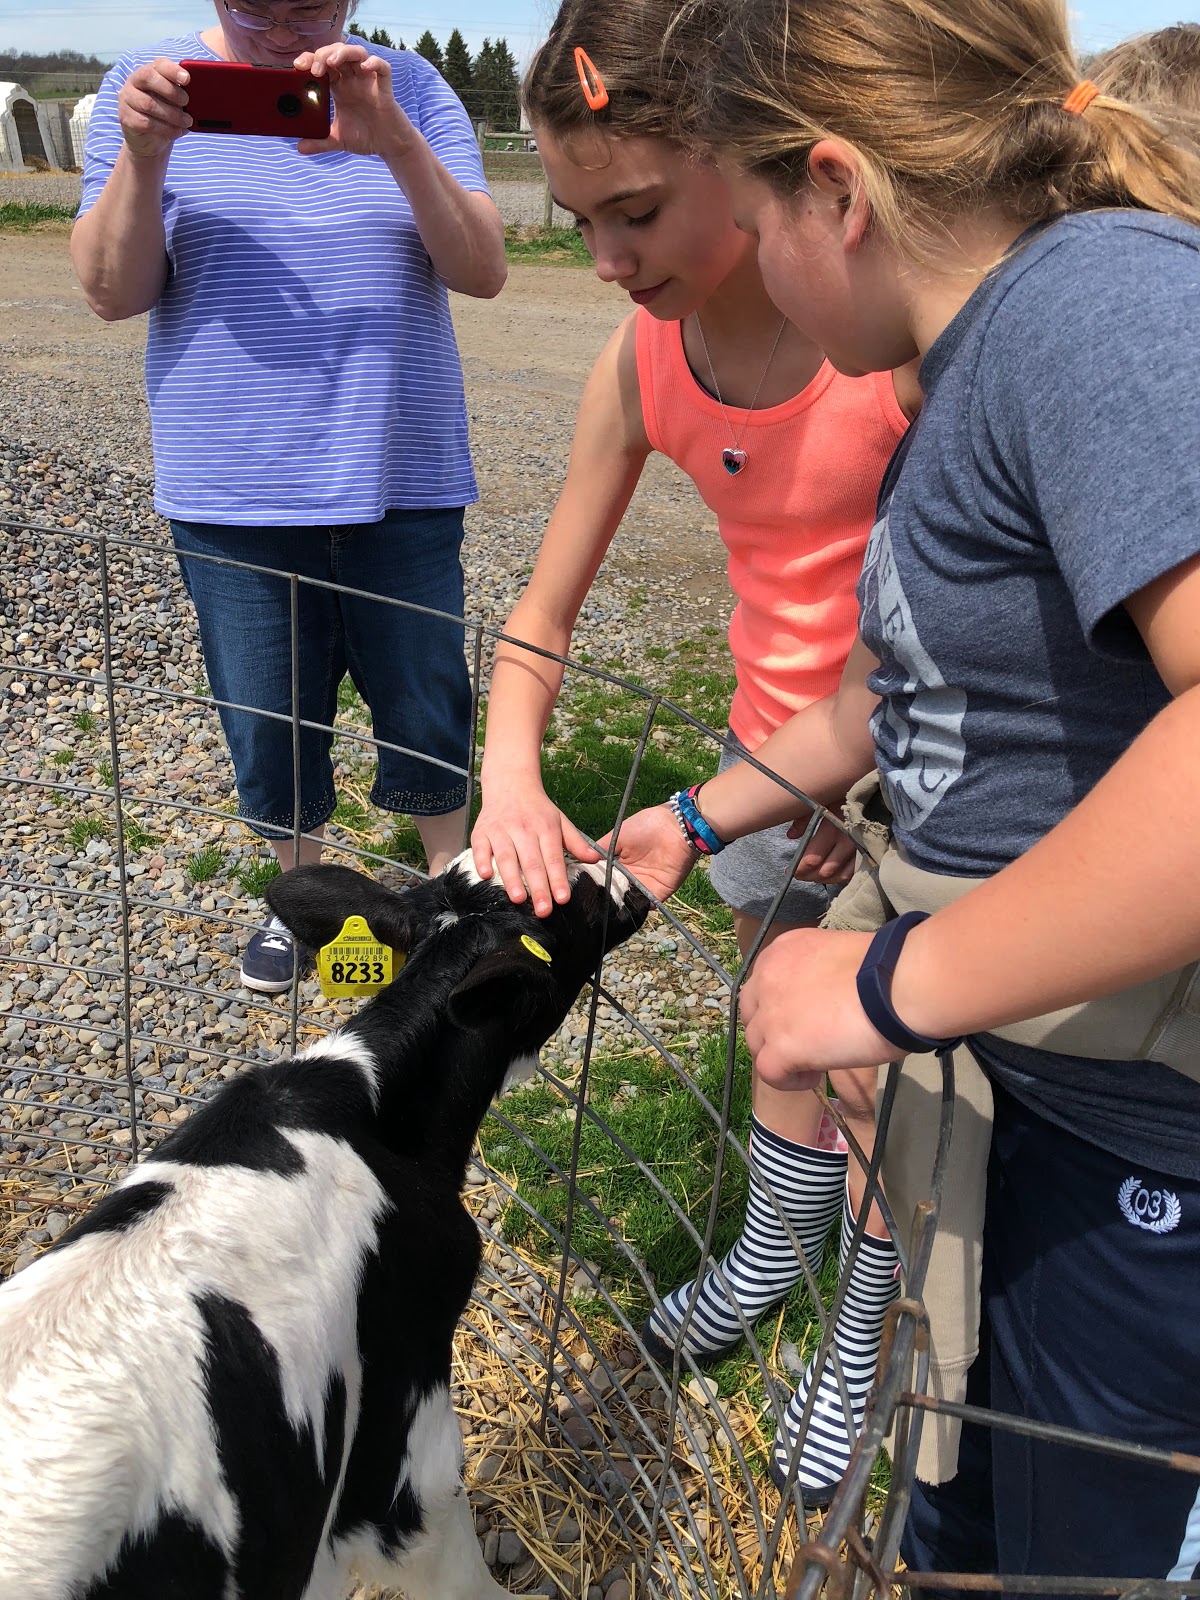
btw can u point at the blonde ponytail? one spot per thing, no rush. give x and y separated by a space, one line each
950 105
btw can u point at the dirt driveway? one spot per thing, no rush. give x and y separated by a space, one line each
525 356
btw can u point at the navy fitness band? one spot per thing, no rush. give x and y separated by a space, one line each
875 987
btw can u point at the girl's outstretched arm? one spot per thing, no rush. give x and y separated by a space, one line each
519 828
1100 903
822 750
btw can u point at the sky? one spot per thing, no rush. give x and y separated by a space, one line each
106 27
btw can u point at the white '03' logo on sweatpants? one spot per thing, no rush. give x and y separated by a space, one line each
1156 1210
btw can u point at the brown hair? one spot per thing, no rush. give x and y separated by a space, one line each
624 40
1160 71
950 105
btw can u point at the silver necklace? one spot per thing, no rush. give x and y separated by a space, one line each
733 457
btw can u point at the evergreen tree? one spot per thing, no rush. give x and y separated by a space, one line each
508 85
358 32
428 47
457 70
383 37
495 86
482 84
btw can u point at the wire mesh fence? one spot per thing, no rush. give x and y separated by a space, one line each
119 1016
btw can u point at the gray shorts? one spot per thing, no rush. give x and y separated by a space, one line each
748 872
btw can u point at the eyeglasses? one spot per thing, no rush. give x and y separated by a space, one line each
303 28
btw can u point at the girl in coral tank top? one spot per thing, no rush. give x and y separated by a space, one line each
789 454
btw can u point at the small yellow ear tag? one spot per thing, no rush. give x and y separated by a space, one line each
535 949
356 963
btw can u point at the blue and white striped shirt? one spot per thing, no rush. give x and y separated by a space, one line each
301 365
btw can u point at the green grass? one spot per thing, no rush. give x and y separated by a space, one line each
404 842
585 770
85 828
105 773
511 164
254 876
21 216
205 864
136 837
665 1126
348 697
559 246
62 758
84 721
353 816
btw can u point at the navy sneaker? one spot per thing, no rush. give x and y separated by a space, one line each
269 960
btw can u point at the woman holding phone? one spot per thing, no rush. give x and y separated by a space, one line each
306 400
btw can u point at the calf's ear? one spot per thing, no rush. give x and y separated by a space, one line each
514 982
314 902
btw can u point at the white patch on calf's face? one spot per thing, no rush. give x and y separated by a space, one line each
464 862
618 886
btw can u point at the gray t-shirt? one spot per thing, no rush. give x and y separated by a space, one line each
1054 471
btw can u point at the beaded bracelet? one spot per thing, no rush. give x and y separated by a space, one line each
702 838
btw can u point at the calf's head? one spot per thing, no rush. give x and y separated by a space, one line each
491 969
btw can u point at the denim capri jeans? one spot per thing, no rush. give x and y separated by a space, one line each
409 668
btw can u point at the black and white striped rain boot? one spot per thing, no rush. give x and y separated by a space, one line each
825 1454
808 1182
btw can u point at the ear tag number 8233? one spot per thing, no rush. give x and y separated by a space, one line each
356 963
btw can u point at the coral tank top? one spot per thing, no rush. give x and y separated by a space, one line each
795 520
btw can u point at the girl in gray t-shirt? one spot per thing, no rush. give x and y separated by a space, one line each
936 181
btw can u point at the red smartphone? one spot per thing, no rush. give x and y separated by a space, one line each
231 97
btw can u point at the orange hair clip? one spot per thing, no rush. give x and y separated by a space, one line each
590 80
1081 97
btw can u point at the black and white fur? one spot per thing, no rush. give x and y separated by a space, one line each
230 1380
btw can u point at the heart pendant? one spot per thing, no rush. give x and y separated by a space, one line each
733 461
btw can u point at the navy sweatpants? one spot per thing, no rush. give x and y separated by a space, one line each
1091 1318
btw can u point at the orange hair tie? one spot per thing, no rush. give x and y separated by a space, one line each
1081 97
590 80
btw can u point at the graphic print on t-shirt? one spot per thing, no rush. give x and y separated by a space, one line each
918 726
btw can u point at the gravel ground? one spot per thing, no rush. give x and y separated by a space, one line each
74 461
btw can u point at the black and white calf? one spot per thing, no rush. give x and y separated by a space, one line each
230 1381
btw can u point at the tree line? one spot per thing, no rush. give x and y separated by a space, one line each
487 84
18 65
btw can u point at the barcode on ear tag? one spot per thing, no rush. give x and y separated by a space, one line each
356 962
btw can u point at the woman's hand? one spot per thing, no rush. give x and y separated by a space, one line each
830 856
367 121
801 1009
150 108
651 846
523 837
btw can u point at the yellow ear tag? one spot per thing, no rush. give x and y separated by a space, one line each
356 963
535 949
